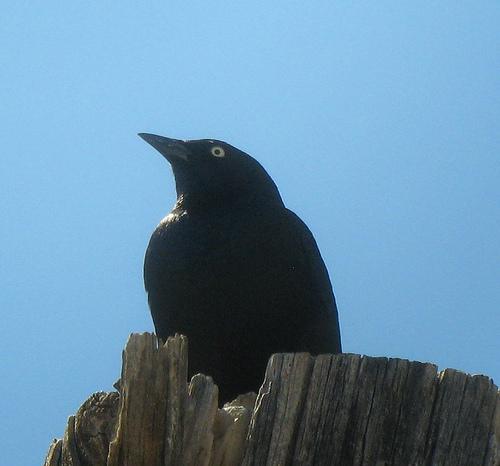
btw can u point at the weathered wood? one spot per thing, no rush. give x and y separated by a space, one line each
54 454
357 411
230 431
153 385
95 425
165 421
88 433
463 419
339 410
277 410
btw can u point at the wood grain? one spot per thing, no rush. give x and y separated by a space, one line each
336 410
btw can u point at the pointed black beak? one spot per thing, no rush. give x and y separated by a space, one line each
172 149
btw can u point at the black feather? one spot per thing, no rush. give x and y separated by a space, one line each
233 269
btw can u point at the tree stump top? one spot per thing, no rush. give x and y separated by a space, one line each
340 410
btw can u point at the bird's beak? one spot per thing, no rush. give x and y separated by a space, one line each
172 149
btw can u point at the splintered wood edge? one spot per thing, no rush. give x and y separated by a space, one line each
295 390
54 453
424 404
149 372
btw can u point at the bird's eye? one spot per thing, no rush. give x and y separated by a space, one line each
217 151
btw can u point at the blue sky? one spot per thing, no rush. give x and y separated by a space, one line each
379 121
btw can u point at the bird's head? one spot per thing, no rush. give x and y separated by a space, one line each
209 172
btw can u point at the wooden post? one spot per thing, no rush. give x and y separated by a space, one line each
336 410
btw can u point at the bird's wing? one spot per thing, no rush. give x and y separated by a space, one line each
313 274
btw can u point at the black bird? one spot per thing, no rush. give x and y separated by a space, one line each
233 269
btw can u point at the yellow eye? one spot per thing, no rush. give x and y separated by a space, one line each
217 151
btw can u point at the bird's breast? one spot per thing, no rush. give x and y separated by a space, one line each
215 253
